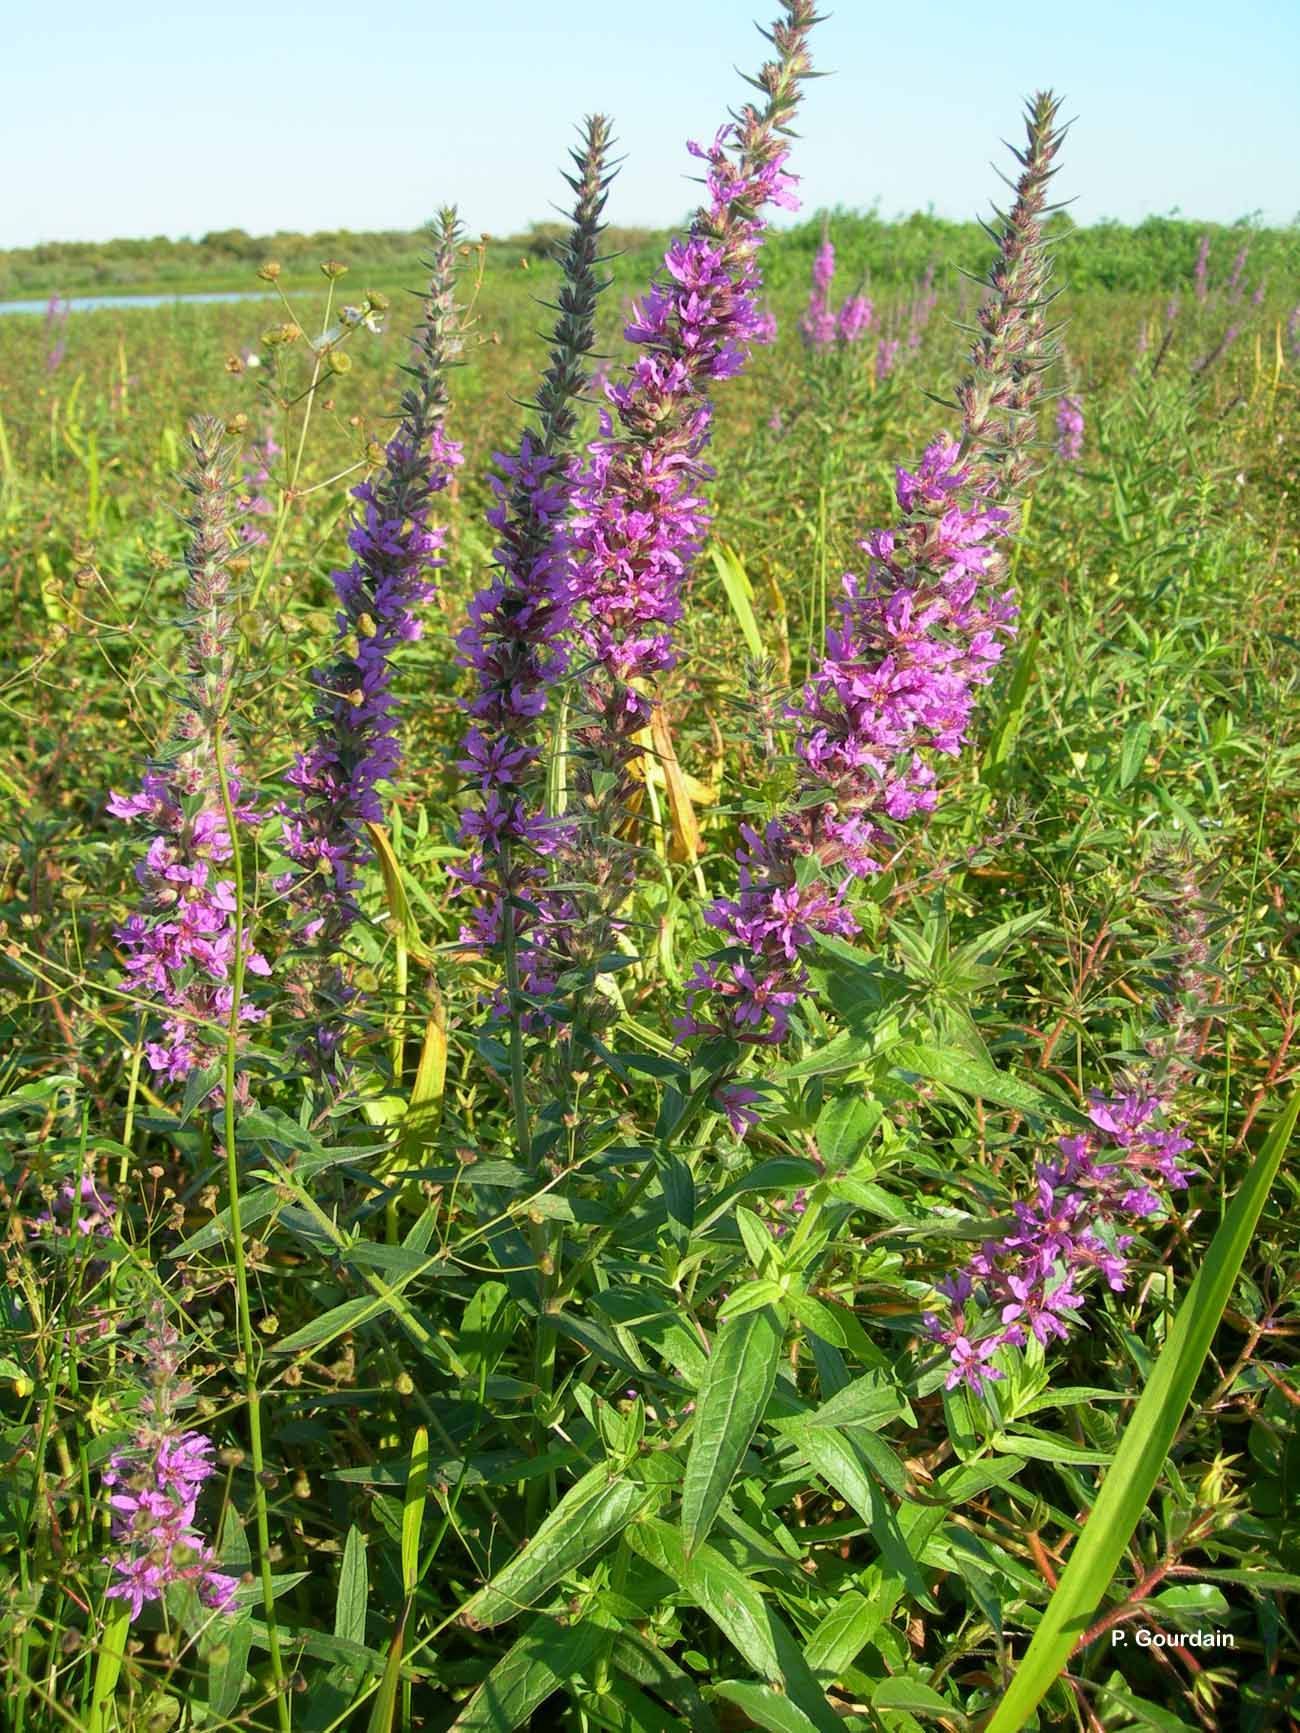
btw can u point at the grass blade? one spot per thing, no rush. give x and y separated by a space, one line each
740 593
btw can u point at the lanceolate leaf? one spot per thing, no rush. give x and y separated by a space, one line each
545 1658
972 1077
736 1389
1096 1554
592 1512
738 1608
764 1706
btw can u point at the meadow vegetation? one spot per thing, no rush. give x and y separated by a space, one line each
692 1113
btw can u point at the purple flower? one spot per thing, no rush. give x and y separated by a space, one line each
916 636
257 502
735 1100
152 1489
516 643
180 945
78 1208
1238 266
854 318
355 749
639 516
886 358
56 326
599 594
818 323
1069 430
1029 1279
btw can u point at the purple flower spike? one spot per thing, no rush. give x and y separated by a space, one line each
356 747
1069 430
153 1488
916 635
1029 1280
180 946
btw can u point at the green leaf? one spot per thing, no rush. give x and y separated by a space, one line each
1042 1447
354 1590
712 1583
839 1461
1002 736
740 593
969 1077
758 1241
1137 738
843 1126
649 1666
735 1604
749 1298
1118 1509
539 1664
865 1402
846 1630
413 1502
227 1665
228 1655
735 1392
328 1325
254 1206
487 1327
916 1698
591 1513
764 1706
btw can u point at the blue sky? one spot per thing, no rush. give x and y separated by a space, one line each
132 119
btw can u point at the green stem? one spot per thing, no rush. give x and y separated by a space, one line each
251 1393
132 1090
510 948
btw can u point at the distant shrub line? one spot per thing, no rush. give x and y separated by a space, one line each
1157 254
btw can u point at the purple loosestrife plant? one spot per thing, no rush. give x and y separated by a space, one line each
917 634
153 1487
639 512
1069 430
1030 1280
1101 1188
853 320
515 642
355 747
639 515
822 326
817 327
78 1207
180 945
56 333
257 502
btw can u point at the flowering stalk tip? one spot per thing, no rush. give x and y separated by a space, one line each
180 945
356 746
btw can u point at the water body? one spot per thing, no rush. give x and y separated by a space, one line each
91 303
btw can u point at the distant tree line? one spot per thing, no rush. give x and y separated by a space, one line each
1158 254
